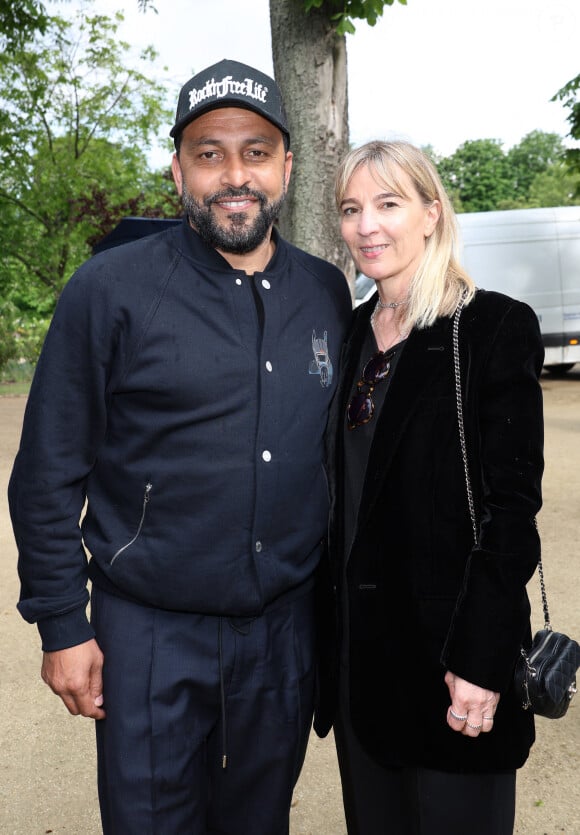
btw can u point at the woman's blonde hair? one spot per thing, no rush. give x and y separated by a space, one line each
440 281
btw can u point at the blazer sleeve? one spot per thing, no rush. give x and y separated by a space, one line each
492 614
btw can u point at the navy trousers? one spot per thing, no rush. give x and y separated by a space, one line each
184 691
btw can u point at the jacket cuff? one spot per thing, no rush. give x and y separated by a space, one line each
64 631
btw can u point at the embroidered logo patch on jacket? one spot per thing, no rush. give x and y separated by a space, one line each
321 364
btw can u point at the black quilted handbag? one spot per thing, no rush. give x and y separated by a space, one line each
545 675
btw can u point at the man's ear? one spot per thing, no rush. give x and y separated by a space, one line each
177 174
287 167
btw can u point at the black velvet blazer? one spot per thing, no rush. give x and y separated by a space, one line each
422 598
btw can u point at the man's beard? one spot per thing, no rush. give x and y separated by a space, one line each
236 237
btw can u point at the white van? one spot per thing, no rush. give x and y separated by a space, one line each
532 255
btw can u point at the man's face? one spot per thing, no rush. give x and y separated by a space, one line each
232 173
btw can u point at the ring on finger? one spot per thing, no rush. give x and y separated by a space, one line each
456 716
474 727
488 718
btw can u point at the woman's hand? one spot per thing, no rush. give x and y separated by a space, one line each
472 708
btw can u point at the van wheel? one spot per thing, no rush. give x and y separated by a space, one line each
560 369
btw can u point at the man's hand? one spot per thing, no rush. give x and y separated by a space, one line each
75 674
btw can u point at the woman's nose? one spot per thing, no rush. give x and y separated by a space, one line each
367 222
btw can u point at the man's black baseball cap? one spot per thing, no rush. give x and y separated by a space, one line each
230 84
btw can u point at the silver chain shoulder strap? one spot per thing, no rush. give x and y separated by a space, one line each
459 399
470 502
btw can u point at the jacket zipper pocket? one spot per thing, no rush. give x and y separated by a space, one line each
146 497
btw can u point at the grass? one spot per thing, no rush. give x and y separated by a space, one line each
14 389
15 378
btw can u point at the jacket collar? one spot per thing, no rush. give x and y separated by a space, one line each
195 248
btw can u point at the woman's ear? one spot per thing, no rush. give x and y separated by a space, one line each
432 214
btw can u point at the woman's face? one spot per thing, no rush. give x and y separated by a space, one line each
385 231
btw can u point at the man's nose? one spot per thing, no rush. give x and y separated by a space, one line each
235 172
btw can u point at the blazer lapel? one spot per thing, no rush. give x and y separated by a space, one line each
427 355
349 369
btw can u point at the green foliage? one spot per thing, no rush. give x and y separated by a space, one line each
8 346
155 196
536 153
343 12
480 177
559 185
20 20
478 174
16 376
29 331
75 127
569 96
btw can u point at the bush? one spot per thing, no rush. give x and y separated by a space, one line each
8 345
21 339
16 371
29 336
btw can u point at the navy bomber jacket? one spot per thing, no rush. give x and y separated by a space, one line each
186 403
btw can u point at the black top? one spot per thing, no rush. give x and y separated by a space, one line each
357 442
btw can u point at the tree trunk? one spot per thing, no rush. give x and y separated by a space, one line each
310 66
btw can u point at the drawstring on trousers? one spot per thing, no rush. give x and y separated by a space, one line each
242 626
